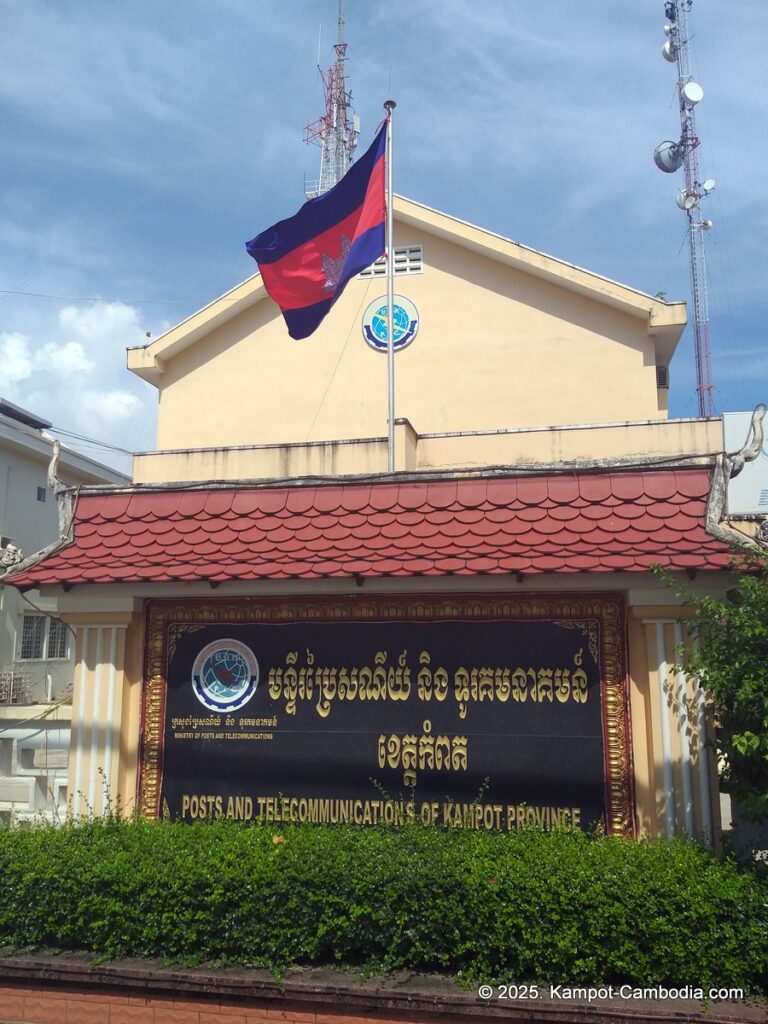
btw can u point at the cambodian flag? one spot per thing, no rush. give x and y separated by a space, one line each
306 261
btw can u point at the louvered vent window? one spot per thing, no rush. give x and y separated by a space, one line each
408 260
662 376
763 500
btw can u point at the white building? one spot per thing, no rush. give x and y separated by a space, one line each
36 648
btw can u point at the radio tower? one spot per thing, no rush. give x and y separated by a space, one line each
336 131
669 157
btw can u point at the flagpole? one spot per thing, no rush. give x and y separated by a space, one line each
389 106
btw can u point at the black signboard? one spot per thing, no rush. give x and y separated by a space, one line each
463 713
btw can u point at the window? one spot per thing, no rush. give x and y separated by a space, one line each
32 636
409 259
57 639
41 493
43 638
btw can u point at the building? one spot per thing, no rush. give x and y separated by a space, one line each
269 623
37 652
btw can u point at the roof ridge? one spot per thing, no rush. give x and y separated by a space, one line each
680 463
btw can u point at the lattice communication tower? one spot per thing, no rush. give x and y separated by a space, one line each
337 130
669 157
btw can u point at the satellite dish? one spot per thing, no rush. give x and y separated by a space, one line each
668 156
669 51
685 200
708 185
668 30
692 93
707 225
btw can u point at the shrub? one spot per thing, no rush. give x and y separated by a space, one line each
556 907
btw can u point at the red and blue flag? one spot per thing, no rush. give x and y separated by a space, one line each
306 260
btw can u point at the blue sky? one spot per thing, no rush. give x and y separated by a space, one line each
144 142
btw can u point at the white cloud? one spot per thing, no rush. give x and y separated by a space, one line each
15 361
77 378
20 360
114 407
102 324
64 359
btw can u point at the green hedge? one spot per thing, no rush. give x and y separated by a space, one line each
529 906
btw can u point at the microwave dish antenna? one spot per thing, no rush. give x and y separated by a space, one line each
668 156
692 93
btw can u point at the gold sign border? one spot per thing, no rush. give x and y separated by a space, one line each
608 609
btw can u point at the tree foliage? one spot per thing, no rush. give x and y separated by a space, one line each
729 658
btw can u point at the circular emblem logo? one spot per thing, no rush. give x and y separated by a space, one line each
375 325
225 675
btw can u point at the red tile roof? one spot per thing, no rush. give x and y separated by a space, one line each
579 522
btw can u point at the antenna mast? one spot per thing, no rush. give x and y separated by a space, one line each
669 157
336 131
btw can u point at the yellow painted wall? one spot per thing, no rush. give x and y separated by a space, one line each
497 347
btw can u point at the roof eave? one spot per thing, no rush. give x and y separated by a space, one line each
422 476
661 316
148 361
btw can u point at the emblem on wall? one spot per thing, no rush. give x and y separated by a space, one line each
375 327
225 675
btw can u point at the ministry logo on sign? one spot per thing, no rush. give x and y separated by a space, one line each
225 675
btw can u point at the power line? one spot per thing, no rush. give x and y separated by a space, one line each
92 441
100 298
82 298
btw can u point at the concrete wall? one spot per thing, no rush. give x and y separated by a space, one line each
35 714
29 521
32 524
414 452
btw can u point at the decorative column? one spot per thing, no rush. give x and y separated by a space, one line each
104 706
682 761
